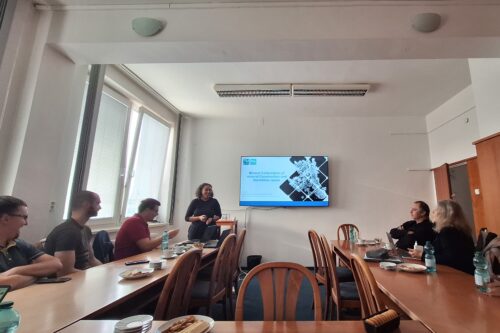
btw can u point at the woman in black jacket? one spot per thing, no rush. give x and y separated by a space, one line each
202 212
453 245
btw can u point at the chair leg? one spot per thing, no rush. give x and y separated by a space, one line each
230 294
235 282
224 308
209 309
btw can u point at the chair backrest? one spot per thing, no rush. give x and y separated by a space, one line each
221 273
369 293
176 294
331 272
318 256
237 252
103 247
280 284
345 231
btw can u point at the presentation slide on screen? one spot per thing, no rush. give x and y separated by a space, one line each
284 181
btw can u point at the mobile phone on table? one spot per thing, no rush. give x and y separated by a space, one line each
53 280
4 289
136 262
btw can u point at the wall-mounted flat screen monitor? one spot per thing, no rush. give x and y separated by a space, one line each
284 181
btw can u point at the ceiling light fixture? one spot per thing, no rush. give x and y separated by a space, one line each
290 89
426 22
329 89
253 90
147 26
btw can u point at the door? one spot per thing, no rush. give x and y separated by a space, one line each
442 181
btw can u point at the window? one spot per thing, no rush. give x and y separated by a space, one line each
105 175
128 158
146 178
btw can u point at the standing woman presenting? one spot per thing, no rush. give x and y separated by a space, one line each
202 211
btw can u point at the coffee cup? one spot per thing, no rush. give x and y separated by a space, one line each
155 264
419 249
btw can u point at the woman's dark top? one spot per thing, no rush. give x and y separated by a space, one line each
455 249
199 207
414 232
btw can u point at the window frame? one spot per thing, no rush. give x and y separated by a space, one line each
111 221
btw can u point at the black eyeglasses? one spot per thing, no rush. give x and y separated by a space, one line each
25 217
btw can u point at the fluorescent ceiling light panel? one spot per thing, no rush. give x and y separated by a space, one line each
329 89
290 89
253 90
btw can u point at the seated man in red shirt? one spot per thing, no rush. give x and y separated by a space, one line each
134 237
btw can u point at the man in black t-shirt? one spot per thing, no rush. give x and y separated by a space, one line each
70 241
419 230
20 262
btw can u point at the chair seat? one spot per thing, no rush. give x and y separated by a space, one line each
344 274
348 291
200 289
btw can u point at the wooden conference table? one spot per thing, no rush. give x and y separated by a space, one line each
90 294
446 301
407 326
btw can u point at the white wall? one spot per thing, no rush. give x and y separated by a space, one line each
485 77
18 70
369 182
44 168
452 128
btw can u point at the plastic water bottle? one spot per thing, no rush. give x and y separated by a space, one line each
481 274
9 318
164 244
353 235
430 259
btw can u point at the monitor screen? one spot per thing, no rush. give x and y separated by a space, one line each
284 181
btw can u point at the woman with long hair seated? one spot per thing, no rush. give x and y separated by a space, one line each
453 244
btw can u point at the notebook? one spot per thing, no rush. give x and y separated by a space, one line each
397 251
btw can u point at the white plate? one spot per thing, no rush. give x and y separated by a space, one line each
134 323
170 256
366 242
169 323
390 266
136 273
412 268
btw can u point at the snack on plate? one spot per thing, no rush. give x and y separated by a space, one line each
382 322
132 273
410 268
188 325
199 326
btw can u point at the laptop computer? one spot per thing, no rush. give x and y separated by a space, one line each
216 243
210 234
396 250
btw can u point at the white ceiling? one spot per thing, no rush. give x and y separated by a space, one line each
399 87
167 2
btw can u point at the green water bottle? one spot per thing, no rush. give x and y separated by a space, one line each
430 258
9 318
481 274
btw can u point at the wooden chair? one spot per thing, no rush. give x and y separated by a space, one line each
235 269
343 294
176 294
319 265
345 231
318 256
206 293
369 293
280 284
